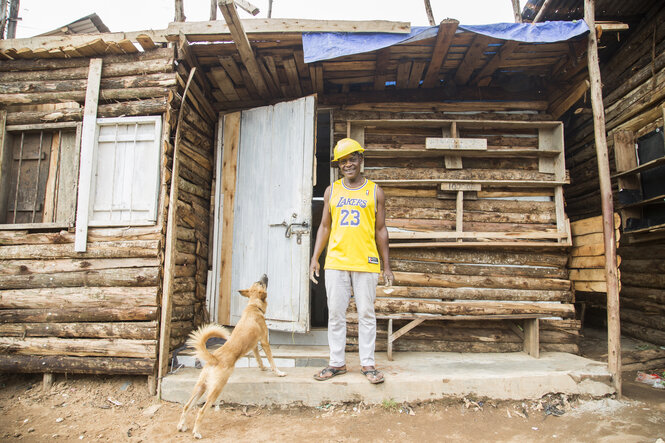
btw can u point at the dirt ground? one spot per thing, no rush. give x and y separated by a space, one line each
119 409
93 408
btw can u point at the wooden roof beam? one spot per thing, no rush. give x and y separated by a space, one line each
269 26
444 38
382 59
244 48
247 6
470 61
484 77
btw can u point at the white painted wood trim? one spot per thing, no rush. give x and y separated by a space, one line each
212 295
87 153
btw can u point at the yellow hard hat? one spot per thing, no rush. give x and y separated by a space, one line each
345 147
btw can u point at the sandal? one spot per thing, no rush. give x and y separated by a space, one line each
328 373
374 376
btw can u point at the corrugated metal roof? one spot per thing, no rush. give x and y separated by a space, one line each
90 24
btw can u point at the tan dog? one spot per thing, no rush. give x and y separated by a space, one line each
250 330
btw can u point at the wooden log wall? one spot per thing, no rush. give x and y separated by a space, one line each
99 311
643 291
194 211
633 93
92 312
481 279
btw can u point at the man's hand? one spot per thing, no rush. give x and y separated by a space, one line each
314 270
388 277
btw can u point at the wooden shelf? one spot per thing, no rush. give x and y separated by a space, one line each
506 183
647 229
493 244
488 153
463 124
658 200
452 235
641 168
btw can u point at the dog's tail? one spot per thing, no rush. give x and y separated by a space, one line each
198 339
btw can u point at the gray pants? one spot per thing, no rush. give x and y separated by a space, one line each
339 285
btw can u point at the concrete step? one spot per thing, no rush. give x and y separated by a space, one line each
286 356
412 376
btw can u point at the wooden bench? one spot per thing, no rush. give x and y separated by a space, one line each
530 332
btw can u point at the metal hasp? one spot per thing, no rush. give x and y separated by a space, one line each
290 231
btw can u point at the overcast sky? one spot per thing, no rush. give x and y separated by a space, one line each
40 16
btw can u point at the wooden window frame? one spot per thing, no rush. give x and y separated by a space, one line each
5 145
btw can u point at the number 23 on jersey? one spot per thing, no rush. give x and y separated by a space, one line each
349 217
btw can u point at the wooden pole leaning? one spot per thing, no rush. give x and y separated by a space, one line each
517 11
170 251
611 274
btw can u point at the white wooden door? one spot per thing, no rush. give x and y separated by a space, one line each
272 213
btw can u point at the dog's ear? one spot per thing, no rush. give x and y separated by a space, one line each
244 292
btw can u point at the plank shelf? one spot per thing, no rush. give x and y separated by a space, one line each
488 153
504 183
641 168
657 200
654 228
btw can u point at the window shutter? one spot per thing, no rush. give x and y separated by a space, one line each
125 184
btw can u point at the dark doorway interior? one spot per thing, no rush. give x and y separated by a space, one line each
318 300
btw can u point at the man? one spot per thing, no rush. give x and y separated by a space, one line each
352 225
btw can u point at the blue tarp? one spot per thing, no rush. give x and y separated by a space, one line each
328 45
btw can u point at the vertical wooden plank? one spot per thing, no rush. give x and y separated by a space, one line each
390 339
216 241
51 193
546 143
231 143
625 157
459 208
553 140
607 204
87 153
532 337
5 163
452 161
170 250
70 147
47 381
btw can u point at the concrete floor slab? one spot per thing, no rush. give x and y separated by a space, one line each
412 376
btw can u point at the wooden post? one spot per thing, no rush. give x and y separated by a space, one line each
613 324
269 8
532 337
428 10
47 381
13 18
179 11
517 11
3 18
87 153
170 252
213 10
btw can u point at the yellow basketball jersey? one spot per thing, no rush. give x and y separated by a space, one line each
352 245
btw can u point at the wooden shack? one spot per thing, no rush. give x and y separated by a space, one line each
633 77
100 274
